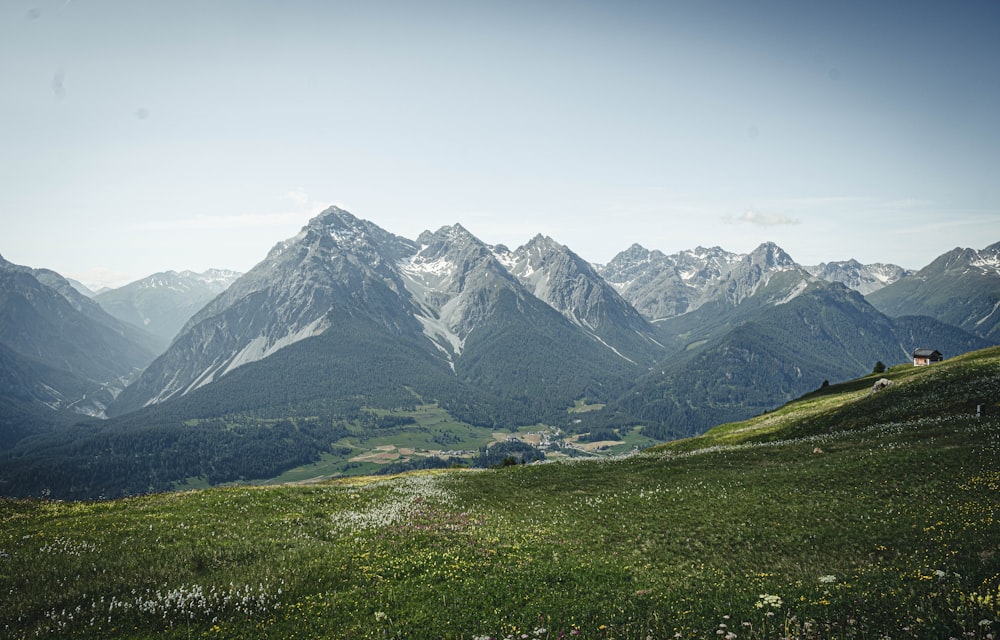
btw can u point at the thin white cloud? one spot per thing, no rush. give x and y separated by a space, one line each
761 219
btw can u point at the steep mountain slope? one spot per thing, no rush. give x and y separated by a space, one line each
918 332
337 271
500 337
345 332
37 398
82 288
754 272
768 354
453 279
70 352
572 287
945 393
163 302
477 340
765 331
961 287
765 278
863 278
85 305
661 286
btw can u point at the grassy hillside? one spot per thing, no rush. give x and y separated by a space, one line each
772 354
843 515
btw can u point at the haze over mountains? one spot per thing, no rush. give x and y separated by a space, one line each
163 302
347 318
60 349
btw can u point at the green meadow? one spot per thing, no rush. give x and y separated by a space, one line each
845 514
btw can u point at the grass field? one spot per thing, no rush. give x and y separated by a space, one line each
844 515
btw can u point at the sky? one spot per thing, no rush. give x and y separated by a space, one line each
140 136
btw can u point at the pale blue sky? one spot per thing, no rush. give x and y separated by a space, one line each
140 136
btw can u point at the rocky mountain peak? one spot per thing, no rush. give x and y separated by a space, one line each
334 217
543 242
988 259
634 254
337 269
163 302
634 262
770 256
345 230
960 260
710 253
538 251
215 279
453 234
754 272
534 260
451 252
863 278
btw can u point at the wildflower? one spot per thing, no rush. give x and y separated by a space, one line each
828 579
769 601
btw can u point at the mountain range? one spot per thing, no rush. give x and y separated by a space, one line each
163 302
959 287
387 320
61 354
346 318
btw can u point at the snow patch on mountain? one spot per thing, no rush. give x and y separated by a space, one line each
347 237
863 278
215 279
987 262
426 279
504 256
424 269
688 274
